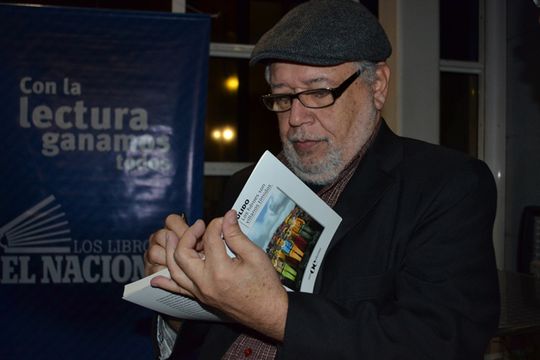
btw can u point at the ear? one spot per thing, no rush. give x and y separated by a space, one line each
380 85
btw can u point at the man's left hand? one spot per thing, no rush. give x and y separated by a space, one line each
246 288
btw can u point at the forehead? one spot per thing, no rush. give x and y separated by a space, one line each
290 73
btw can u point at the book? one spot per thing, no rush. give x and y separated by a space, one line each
280 214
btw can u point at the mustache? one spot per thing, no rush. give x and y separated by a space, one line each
302 136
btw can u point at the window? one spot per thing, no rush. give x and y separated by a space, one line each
461 76
459 111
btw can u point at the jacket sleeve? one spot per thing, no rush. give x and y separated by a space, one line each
446 298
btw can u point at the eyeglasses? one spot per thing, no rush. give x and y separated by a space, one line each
313 99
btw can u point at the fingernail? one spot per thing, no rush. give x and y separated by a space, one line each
231 217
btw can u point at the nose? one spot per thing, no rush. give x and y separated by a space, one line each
299 114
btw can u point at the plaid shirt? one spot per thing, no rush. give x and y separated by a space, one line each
247 347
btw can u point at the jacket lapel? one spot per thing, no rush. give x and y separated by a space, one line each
370 181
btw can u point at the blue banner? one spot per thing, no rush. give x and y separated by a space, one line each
102 116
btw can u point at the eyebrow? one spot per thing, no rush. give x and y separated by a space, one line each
306 83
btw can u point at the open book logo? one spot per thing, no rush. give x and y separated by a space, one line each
42 228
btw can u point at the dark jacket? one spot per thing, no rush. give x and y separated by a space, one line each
410 273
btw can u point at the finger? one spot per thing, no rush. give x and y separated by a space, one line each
214 246
188 258
156 255
170 247
158 238
198 228
151 269
192 235
169 285
199 246
175 269
176 223
236 240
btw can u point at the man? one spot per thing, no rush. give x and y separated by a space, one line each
410 273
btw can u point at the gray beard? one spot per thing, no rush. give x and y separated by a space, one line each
328 169
321 173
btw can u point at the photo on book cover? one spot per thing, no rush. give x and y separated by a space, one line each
287 233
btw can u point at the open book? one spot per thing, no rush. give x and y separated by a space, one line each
279 213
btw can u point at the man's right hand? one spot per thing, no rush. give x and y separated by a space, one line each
155 256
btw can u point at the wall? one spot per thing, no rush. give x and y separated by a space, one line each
412 107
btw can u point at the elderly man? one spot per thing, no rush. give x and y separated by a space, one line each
410 273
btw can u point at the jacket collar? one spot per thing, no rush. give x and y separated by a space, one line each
369 182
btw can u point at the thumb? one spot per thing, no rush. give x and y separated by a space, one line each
236 240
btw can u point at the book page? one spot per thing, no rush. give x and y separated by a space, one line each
142 293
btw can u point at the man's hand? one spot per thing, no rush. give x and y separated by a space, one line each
155 256
246 288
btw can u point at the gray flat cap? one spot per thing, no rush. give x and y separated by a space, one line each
324 32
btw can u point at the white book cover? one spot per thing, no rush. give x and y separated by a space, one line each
279 213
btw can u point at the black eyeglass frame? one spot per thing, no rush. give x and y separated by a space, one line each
335 92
